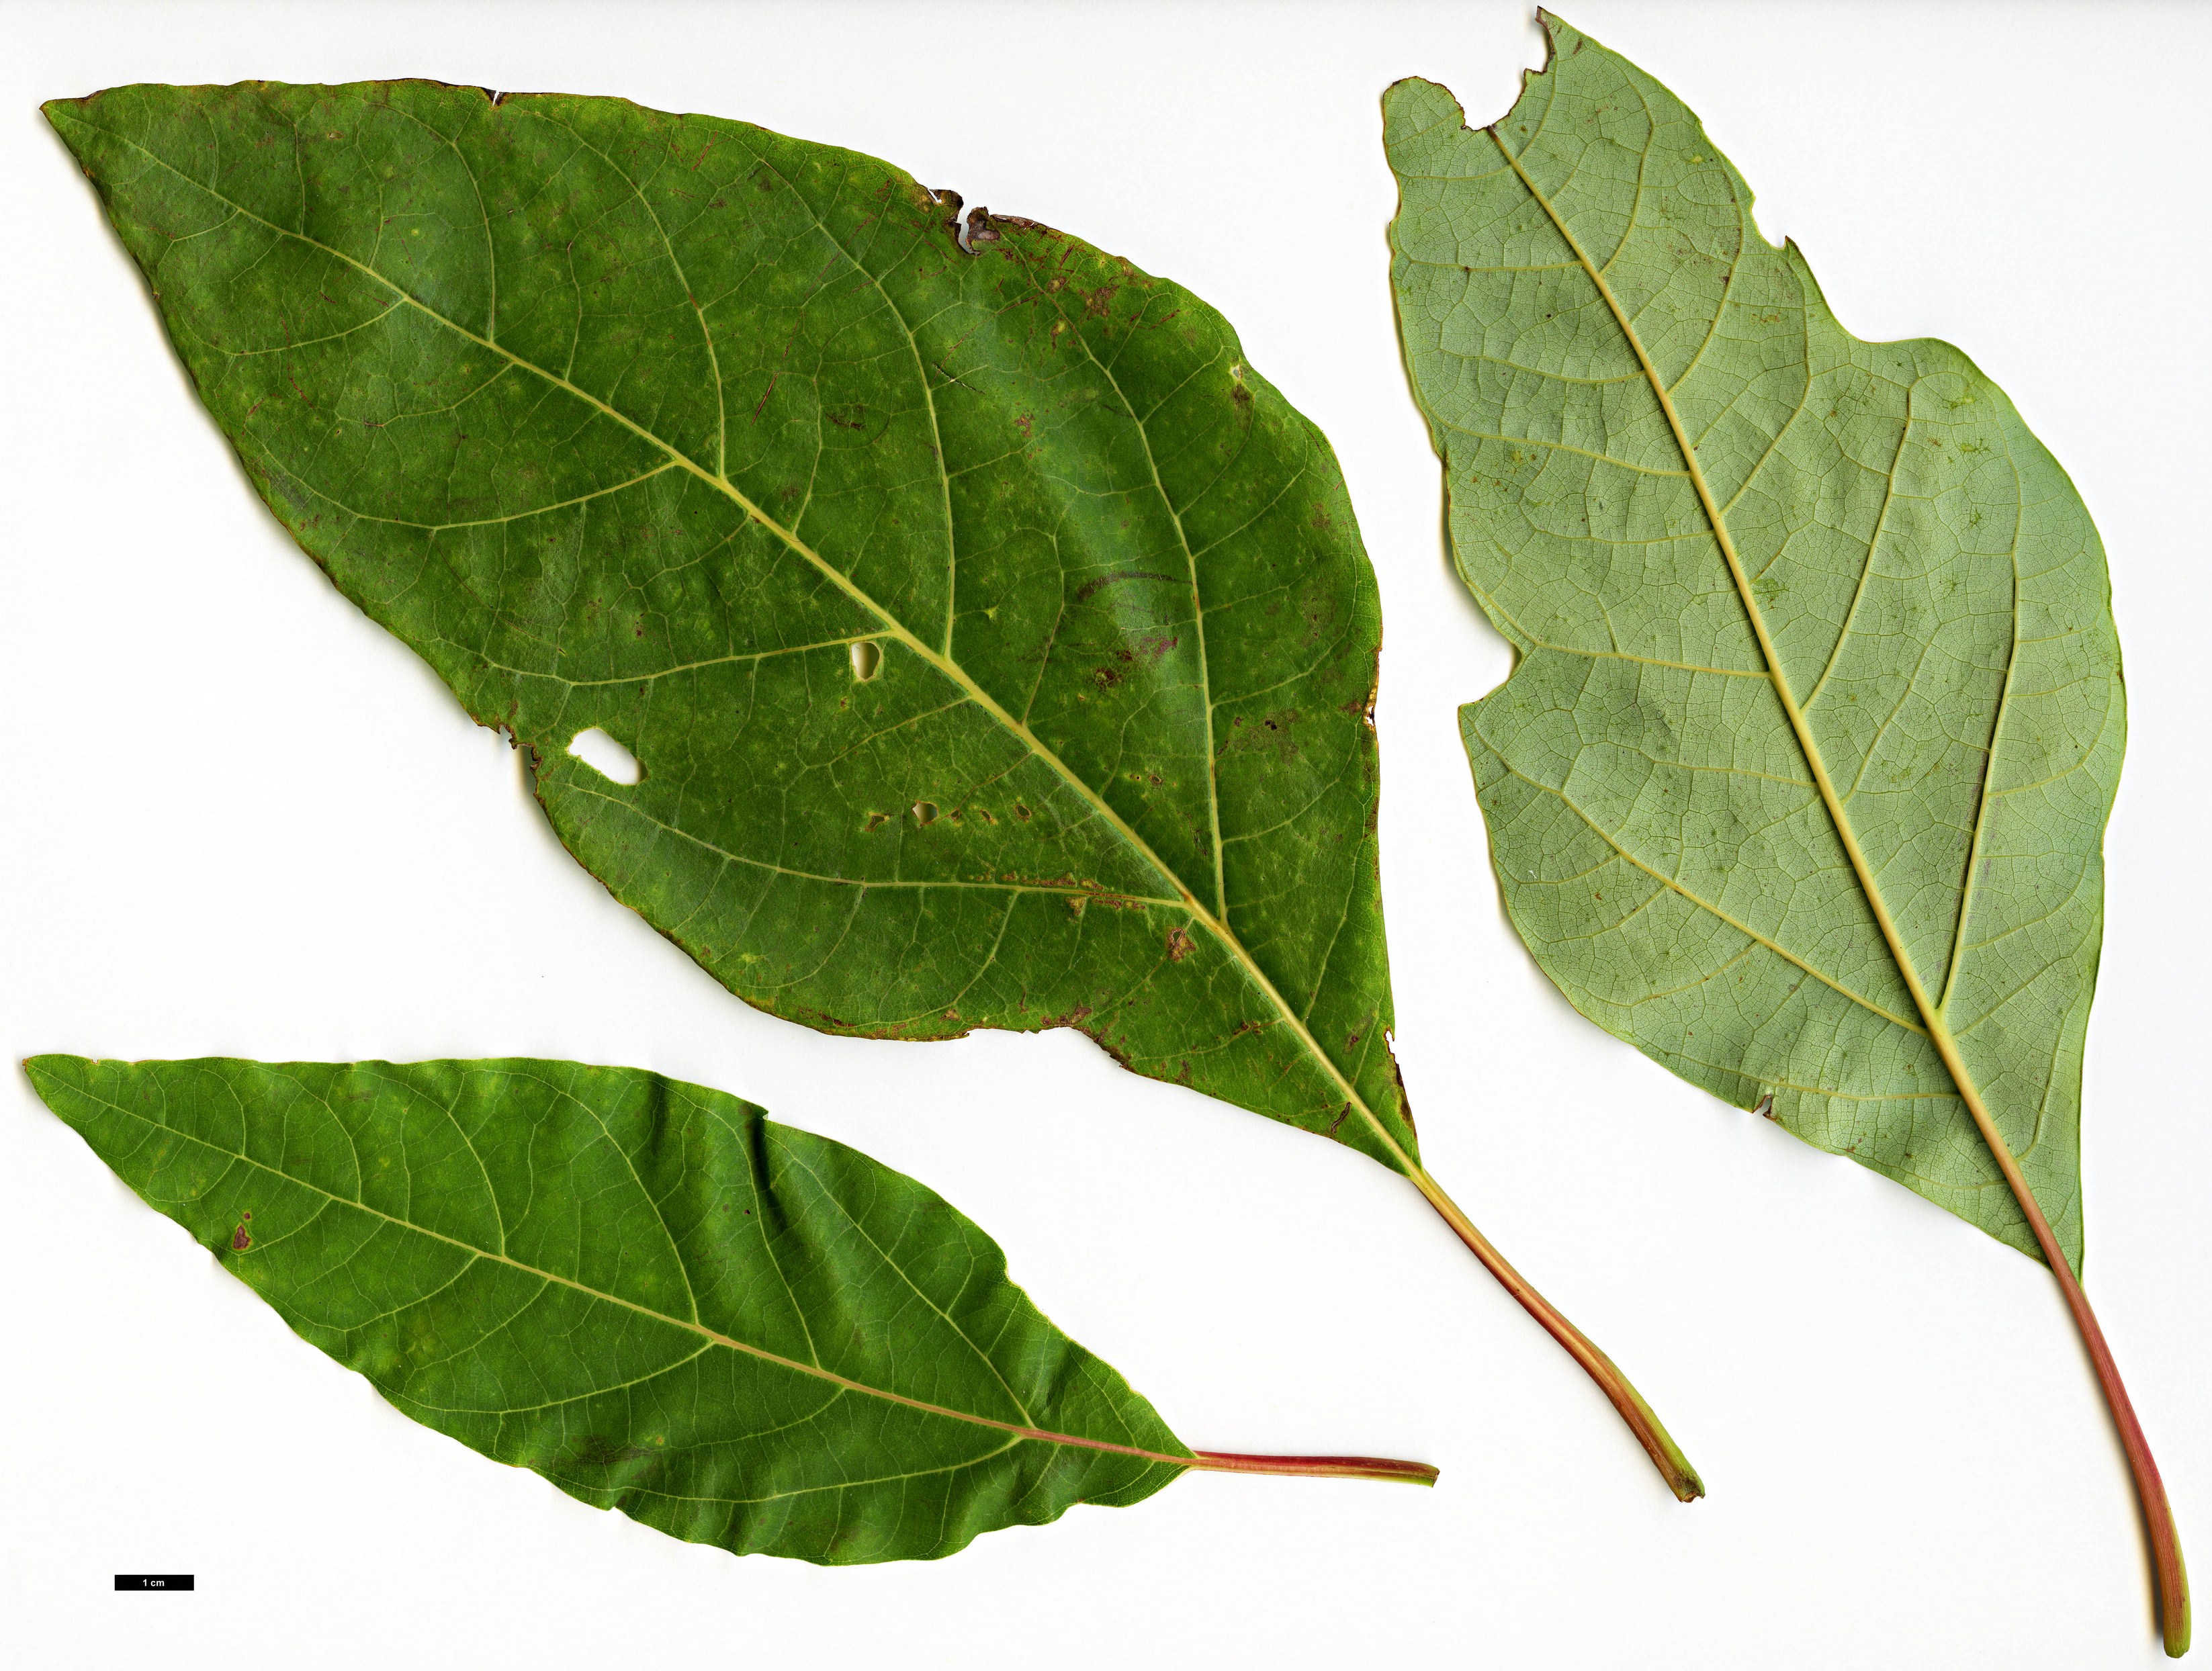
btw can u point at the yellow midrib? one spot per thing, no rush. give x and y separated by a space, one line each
1938 1032
1220 930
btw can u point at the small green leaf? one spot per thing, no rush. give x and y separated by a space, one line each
1799 782
647 1292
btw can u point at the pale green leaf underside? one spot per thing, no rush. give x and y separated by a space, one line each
997 645
647 1292
1932 587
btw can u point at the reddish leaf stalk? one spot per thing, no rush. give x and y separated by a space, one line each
1325 1467
1673 1466
2166 1564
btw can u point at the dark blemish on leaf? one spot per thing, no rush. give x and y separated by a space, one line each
1091 589
1178 944
596 1451
875 821
949 200
1021 812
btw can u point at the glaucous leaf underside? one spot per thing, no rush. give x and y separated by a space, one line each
998 646
1816 715
645 1291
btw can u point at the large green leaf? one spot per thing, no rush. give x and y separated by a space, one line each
998 646
1800 780
647 1292
1804 768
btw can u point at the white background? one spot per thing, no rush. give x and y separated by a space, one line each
239 818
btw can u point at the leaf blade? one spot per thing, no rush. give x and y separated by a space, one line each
454 1231
1740 874
1030 777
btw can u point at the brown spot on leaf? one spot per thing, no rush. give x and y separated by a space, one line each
1091 589
597 1451
1178 943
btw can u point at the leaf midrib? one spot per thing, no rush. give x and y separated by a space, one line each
1931 1013
714 1337
943 663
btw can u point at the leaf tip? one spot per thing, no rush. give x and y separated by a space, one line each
51 1066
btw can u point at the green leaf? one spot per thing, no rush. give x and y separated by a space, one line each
1795 808
647 1292
997 645
1800 780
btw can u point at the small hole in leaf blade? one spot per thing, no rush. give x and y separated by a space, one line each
867 659
606 756
924 812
